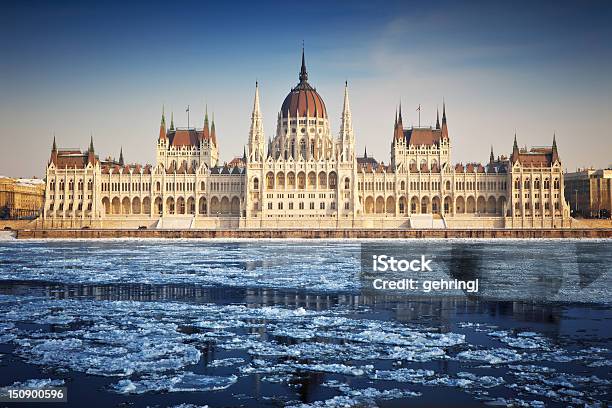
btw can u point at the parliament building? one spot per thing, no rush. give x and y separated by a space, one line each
305 177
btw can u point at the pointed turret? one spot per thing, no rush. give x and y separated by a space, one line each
515 150
244 156
121 161
346 108
365 152
53 158
437 119
555 153
206 129
443 112
172 121
491 156
346 127
444 125
162 126
256 109
91 156
256 134
213 134
269 147
398 133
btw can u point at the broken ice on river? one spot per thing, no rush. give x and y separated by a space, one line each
193 323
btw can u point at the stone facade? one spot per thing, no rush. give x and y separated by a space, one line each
21 198
306 177
589 192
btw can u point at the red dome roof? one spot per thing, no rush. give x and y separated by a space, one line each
304 100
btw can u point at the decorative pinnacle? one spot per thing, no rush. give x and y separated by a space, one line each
303 72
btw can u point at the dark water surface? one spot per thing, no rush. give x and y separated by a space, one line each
292 323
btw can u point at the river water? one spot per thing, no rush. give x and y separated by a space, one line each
188 323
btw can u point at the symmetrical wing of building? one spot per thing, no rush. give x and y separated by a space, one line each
306 177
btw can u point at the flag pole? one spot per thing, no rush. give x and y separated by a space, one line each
187 117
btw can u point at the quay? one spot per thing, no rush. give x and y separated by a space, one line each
314 233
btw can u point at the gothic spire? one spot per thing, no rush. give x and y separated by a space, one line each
91 146
256 110
121 161
171 120
515 145
205 128
443 112
515 151
213 134
555 152
346 109
491 156
346 127
54 148
303 72
398 132
162 125
437 119
365 152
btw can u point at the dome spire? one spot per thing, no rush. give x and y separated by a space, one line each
303 72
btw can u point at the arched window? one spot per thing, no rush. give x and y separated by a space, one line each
255 183
303 148
333 181
347 183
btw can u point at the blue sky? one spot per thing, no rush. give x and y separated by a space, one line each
106 68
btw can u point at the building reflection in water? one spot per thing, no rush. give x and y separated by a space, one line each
435 310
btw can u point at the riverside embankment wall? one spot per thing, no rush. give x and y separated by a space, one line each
315 233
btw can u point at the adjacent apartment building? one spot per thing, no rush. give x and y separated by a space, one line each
589 192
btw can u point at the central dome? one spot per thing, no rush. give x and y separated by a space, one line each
303 100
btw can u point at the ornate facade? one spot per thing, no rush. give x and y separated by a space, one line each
305 177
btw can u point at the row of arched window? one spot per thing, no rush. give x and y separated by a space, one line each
62 185
323 180
526 184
